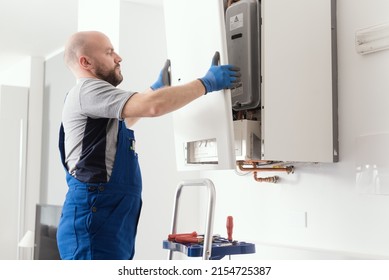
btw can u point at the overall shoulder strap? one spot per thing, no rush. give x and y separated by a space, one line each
61 144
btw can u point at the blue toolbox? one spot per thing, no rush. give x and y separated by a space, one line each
221 247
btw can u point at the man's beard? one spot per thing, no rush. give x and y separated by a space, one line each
109 76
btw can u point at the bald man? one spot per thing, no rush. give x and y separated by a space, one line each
103 203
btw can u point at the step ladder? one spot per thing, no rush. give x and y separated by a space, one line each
209 249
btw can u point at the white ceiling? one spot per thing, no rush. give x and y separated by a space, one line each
34 28
38 27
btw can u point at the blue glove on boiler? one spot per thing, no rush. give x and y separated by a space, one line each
220 76
163 78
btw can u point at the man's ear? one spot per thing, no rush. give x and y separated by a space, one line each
84 62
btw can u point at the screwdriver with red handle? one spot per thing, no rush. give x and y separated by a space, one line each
230 226
189 239
179 236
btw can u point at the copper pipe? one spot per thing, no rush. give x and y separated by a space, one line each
287 169
256 168
273 179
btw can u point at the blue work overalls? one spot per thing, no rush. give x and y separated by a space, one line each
99 221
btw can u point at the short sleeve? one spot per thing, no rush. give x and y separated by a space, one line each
99 99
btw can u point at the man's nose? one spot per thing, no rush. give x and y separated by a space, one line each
118 58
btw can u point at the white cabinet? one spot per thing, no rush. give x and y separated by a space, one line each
194 32
299 119
299 85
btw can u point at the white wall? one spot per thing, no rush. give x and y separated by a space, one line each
101 15
13 152
18 74
143 49
342 222
318 212
34 144
58 81
29 73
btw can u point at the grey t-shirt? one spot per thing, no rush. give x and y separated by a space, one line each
90 118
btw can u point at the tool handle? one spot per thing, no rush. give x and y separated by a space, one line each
166 73
173 236
230 226
188 239
216 58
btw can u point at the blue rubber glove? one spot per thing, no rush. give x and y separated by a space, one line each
163 78
220 76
